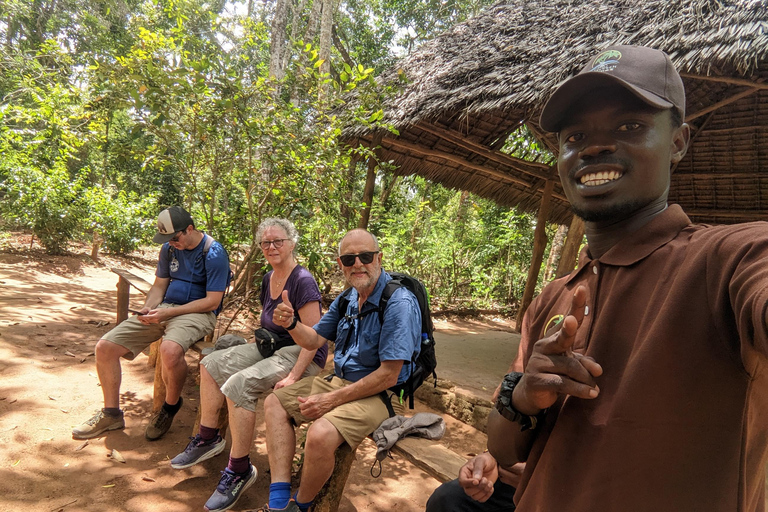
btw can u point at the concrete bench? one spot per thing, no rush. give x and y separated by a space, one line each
430 456
126 281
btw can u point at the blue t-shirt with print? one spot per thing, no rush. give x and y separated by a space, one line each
362 343
190 276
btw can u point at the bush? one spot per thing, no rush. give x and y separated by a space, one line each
123 221
47 202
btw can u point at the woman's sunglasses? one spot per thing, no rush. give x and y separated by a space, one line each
365 258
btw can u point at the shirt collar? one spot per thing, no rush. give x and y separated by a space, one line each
641 243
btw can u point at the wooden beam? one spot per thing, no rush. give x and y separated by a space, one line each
465 163
717 175
570 254
735 129
539 244
730 214
722 103
727 80
536 169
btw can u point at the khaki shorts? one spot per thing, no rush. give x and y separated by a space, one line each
243 374
354 420
185 330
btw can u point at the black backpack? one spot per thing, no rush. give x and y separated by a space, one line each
422 366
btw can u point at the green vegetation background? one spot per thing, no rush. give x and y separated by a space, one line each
111 110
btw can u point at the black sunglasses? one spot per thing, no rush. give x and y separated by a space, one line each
178 235
365 258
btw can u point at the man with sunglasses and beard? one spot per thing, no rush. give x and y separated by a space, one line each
369 358
181 307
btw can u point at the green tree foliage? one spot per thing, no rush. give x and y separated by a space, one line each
113 110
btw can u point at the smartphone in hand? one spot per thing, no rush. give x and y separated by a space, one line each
135 312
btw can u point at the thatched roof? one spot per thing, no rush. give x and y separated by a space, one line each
471 87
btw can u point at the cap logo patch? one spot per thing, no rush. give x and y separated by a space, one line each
606 61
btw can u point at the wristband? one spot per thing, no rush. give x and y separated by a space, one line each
508 411
293 324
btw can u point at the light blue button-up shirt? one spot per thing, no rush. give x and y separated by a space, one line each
362 342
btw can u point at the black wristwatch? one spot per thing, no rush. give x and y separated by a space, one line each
506 409
293 324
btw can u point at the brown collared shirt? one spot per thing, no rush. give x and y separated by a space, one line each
677 319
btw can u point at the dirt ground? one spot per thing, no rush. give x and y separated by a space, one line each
52 312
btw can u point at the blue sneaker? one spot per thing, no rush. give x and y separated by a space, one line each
230 488
198 451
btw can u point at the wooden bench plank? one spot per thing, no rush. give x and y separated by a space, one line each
432 457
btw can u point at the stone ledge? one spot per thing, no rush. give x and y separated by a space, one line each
450 399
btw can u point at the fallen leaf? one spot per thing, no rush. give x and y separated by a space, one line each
82 446
3 398
16 463
102 324
49 344
13 402
39 300
115 455
13 323
108 486
70 354
147 479
94 322
64 411
74 307
82 360
91 374
52 398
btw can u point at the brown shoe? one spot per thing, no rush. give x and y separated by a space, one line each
160 423
98 424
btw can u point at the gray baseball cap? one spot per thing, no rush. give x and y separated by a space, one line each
645 72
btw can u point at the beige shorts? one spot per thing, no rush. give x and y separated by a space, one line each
243 374
185 330
354 420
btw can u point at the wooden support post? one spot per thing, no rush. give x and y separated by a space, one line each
571 248
329 497
123 296
539 244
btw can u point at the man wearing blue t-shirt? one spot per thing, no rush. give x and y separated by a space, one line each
368 360
181 307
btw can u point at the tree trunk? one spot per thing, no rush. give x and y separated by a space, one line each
347 211
554 253
278 40
539 244
571 248
370 182
326 40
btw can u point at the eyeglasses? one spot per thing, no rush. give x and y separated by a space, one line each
178 235
365 258
277 243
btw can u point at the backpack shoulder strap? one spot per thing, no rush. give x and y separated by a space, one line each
207 245
386 294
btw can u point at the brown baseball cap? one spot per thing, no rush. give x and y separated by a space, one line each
171 221
647 73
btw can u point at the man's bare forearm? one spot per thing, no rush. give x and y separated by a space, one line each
384 377
506 442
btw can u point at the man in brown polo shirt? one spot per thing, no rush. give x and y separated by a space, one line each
645 383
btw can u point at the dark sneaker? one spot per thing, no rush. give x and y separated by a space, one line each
100 423
291 507
230 488
198 451
160 423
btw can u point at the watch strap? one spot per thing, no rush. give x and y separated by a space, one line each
293 324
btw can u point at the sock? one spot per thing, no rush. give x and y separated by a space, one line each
279 494
304 507
172 409
115 412
208 433
240 464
